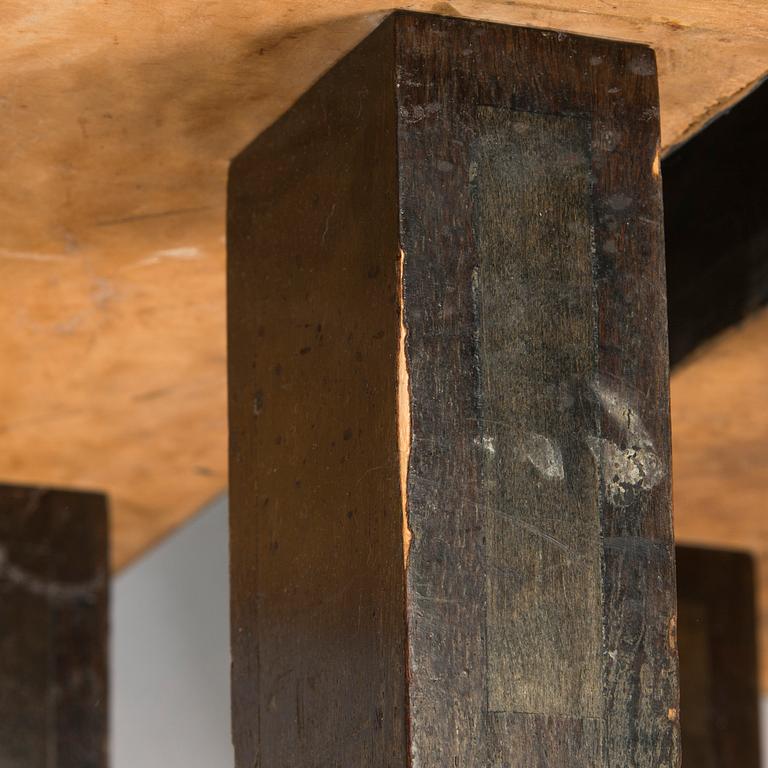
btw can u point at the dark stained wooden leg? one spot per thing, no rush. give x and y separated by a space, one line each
53 628
719 715
451 540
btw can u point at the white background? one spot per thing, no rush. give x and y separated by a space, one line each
170 652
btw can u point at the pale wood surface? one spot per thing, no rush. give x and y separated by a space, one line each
118 123
719 404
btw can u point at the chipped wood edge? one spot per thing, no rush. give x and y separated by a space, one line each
403 410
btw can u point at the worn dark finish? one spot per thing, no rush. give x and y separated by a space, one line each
716 224
451 540
318 674
53 628
719 716
532 163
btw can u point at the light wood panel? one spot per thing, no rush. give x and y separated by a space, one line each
719 402
118 123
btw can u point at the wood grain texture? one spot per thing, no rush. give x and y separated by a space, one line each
719 715
513 174
318 674
53 628
448 68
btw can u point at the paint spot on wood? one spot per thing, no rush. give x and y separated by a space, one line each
487 443
625 470
545 456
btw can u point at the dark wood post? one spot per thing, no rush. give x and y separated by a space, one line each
450 499
719 715
53 628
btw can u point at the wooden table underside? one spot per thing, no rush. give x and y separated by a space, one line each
121 122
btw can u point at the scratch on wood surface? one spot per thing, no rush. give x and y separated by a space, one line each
547 537
403 411
50 589
487 443
6 253
152 215
182 253
327 223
